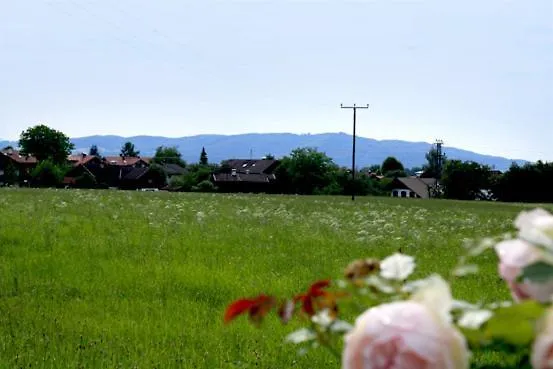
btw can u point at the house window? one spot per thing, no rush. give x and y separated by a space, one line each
403 193
411 194
394 194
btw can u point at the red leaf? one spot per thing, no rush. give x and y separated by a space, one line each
308 299
238 307
257 308
318 286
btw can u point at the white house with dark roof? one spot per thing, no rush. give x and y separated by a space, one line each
413 187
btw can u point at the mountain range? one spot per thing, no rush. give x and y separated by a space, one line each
256 145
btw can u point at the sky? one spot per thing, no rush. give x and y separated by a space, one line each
476 74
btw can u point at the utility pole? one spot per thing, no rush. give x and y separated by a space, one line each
439 154
354 107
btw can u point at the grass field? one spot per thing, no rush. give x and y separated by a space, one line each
106 279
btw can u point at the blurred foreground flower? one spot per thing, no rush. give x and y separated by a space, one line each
407 335
526 263
397 267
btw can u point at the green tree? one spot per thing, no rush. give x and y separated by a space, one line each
94 151
306 171
10 174
434 164
203 157
48 173
128 150
168 155
204 186
269 157
375 168
531 182
195 174
464 180
391 167
45 143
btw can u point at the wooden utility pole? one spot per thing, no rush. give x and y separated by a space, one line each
354 107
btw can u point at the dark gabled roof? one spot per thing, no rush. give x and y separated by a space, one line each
136 173
173 169
252 165
420 186
243 177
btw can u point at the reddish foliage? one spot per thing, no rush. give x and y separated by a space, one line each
256 307
312 296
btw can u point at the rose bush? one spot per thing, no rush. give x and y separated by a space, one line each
417 324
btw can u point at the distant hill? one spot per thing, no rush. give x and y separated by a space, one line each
336 145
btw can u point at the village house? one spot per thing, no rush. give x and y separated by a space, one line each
413 187
246 175
23 164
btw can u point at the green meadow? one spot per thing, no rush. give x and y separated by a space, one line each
114 279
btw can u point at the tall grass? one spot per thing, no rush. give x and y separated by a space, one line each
109 279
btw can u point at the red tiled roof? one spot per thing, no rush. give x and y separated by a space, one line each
80 159
125 161
18 157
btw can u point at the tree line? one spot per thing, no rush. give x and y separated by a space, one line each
308 171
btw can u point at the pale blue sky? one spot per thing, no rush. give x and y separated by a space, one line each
476 73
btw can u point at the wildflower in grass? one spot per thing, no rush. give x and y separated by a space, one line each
407 335
542 352
514 256
256 308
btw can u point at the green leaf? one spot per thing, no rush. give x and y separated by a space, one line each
515 324
538 272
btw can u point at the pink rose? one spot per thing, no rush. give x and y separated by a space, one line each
404 335
514 255
542 352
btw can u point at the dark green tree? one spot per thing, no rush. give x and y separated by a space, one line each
195 174
10 174
45 143
204 186
157 175
94 151
203 157
269 157
168 155
47 174
306 171
85 180
531 182
128 150
391 167
464 180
